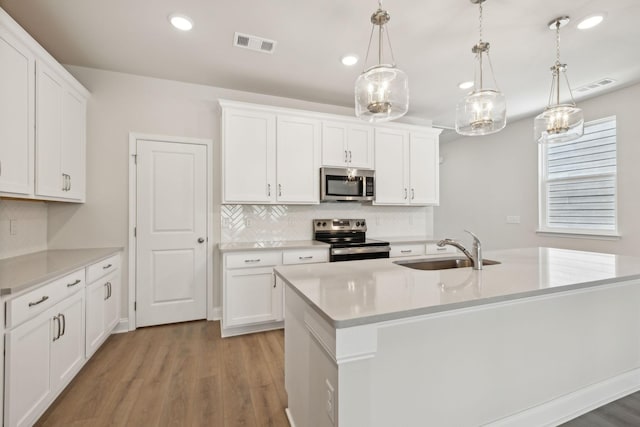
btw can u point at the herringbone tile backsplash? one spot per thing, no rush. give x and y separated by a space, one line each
30 227
260 223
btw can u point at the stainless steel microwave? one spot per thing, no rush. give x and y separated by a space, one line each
347 185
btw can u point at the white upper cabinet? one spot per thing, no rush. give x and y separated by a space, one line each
269 158
42 121
407 167
347 145
248 153
60 137
16 116
298 160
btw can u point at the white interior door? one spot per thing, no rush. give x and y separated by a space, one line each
171 250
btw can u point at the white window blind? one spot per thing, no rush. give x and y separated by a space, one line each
578 182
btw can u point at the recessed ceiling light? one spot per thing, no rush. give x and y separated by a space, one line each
349 60
590 21
466 85
181 22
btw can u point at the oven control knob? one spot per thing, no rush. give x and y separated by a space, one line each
358 224
324 224
363 224
319 224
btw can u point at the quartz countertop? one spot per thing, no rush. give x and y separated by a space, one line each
278 244
362 292
25 271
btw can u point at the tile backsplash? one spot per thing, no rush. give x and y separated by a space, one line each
23 227
259 223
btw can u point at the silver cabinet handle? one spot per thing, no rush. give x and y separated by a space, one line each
252 260
200 239
64 324
269 190
306 257
104 267
40 301
405 194
279 190
56 336
413 194
406 251
64 182
107 287
70 285
69 187
346 158
349 156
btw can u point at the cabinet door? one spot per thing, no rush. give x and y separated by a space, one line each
424 169
27 370
297 160
49 94
67 352
360 146
334 144
251 296
73 144
111 303
16 116
248 152
95 316
391 167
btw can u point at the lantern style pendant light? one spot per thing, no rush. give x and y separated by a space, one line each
381 91
484 110
559 122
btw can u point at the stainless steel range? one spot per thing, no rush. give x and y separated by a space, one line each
348 239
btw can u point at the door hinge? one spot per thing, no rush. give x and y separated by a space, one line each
135 158
135 231
135 306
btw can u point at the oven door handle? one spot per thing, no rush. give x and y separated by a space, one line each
360 250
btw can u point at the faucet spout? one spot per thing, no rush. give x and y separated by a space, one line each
475 255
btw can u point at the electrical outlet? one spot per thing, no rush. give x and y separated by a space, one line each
515 219
13 227
330 402
247 222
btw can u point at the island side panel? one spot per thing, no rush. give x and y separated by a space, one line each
495 360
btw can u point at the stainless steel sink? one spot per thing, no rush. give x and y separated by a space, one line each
441 263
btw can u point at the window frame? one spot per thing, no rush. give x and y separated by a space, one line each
543 227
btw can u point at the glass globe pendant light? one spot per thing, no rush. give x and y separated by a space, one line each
484 110
381 91
559 122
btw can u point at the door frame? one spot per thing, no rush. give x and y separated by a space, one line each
133 209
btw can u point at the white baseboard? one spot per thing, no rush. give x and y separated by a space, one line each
122 326
574 404
241 330
289 417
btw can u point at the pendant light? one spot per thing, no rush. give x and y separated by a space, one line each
381 91
559 122
484 110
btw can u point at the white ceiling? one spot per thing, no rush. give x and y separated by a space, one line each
431 41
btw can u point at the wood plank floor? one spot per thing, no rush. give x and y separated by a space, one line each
186 375
178 375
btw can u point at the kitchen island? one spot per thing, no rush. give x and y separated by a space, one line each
544 336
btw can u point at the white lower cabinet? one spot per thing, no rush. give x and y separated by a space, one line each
102 310
42 355
252 298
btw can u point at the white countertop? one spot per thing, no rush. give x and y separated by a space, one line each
25 271
361 292
278 244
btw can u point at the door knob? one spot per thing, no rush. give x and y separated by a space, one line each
201 240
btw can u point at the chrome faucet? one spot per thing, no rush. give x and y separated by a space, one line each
475 256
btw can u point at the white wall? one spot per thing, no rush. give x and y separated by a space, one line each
485 179
122 103
30 227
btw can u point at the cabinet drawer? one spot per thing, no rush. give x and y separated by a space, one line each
38 300
406 250
102 268
305 256
253 259
434 249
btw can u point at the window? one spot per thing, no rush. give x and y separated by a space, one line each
578 182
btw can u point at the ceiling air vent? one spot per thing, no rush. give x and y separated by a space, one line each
259 44
595 85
